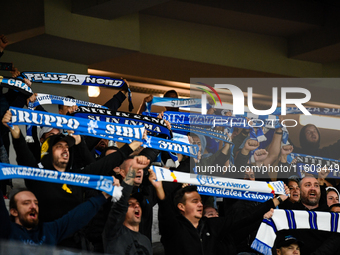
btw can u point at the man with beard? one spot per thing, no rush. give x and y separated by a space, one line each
121 233
100 147
57 152
310 194
23 223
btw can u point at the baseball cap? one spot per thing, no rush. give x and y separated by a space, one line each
46 147
65 138
138 196
284 241
44 130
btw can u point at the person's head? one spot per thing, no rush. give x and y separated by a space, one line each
189 203
288 245
249 173
58 148
210 212
24 208
294 188
309 136
124 168
332 196
102 145
310 192
63 109
61 155
133 215
172 94
335 208
46 132
196 141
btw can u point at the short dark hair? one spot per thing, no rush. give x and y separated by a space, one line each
12 201
110 148
334 205
60 106
166 94
293 179
179 196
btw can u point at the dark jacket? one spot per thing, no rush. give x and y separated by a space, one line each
245 237
57 199
49 233
332 151
119 239
213 235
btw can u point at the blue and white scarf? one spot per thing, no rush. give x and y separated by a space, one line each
81 126
314 164
196 103
181 118
42 99
154 125
16 84
78 79
204 120
174 102
291 219
120 133
98 182
215 134
312 110
223 187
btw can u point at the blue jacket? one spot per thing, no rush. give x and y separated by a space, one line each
49 233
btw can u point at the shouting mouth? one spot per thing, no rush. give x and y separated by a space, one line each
137 213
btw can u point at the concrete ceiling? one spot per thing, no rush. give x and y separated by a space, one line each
311 27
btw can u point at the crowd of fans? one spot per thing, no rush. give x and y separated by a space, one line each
75 218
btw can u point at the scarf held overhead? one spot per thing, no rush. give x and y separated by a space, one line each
79 125
183 118
154 125
315 164
291 219
98 182
78 79
191 103
16 84
42 99
223 187
120 133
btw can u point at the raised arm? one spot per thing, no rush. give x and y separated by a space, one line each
274 147
24 155
76 218
118 210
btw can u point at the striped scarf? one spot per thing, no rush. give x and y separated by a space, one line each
292 219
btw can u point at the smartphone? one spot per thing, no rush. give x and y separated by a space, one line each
6 66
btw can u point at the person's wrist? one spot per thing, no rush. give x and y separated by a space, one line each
278 132
279 199
245 151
